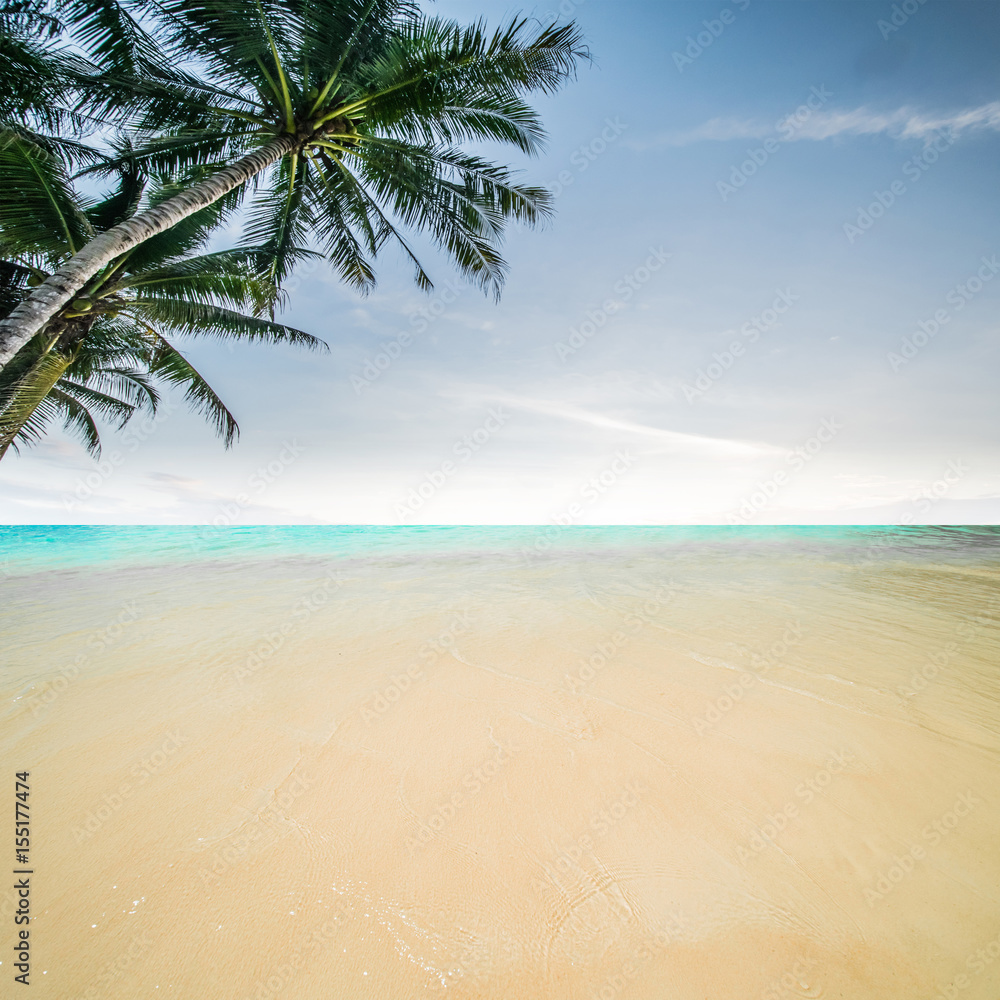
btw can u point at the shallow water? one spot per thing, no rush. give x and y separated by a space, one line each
561 763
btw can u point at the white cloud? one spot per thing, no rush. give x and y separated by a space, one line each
904 123
674 441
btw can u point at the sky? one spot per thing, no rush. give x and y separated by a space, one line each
770 293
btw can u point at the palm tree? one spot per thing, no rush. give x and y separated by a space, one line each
106 352
28 67
361 107
56 55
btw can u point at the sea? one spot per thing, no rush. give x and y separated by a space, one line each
501 762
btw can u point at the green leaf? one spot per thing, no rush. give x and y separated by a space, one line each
170 365
204 320
39 211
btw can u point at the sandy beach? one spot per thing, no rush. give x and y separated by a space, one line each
633 766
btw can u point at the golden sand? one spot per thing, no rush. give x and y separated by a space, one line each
638 779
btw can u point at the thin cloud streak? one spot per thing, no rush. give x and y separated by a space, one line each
694 444
904 123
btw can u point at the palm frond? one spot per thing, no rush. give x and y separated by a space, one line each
230 277
459 221
183 155
39 210
337 38
280 220
205 320
73 152
170 365
111 407
437 63
77 419
35 426
23 398
128 385
111 36
343 205
13 283
121 203
228 35
342 210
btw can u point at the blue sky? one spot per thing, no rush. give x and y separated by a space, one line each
767 296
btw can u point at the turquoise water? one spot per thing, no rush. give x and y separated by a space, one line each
26 549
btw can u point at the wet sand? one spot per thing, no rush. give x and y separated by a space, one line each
691 772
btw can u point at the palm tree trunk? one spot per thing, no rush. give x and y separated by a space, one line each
34 312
